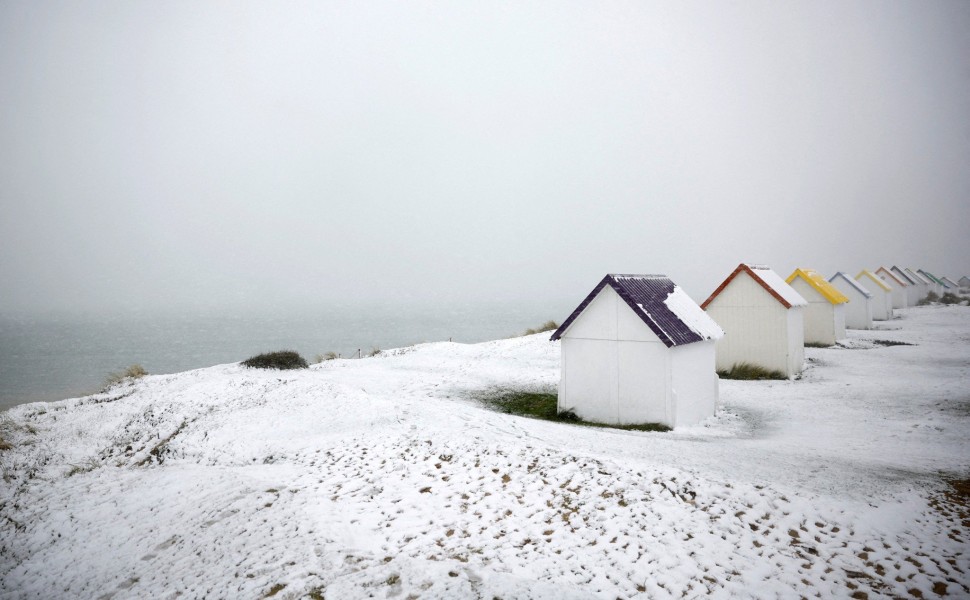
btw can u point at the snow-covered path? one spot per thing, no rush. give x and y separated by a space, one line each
384 478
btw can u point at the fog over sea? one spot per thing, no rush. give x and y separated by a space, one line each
53 356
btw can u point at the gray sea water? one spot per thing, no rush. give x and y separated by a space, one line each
53 356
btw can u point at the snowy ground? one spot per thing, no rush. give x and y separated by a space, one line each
382 478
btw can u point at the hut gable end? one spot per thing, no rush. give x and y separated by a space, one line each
765 278
810 280
865 273
902 276
606 317
852 283
890 277
648 298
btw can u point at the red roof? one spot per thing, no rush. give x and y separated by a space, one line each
792 299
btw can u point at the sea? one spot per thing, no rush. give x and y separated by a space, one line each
56 355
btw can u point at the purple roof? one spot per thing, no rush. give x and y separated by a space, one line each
646 295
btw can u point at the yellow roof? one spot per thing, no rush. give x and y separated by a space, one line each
812 278
878 281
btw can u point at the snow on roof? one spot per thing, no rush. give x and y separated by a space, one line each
766 278
693 315
874 279
818 283
887 275
855 284
660 304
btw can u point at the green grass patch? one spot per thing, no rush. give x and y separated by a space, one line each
817 345
542 405
284 359
748 371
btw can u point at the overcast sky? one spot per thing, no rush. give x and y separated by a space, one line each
233 153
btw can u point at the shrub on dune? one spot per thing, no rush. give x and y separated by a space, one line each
283 360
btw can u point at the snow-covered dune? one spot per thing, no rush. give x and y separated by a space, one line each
383 477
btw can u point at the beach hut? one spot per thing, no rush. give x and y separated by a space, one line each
882 295
825 314
923 283
950 285
858 311
638 350
913 292
762 319
936 284
964 283
900 295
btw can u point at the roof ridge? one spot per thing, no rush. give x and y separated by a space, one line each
647 297
819 284
882 284
746 268
852 282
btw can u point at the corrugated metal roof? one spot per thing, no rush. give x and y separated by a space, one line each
876 280
647 296
855 284
766 278
812 278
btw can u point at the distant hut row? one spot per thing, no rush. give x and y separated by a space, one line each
638 349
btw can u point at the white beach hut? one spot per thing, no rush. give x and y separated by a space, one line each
936 284
858 311
638 350
762 319
882 295
900 295
923 283
825 314
964 283
913 291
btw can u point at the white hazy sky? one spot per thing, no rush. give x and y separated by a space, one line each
238 153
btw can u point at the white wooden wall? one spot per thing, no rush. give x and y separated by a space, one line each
900 296
858 312
757 328
796 339
882 300
824 321
615 370
694 382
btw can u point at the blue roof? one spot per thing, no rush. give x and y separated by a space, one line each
647 296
